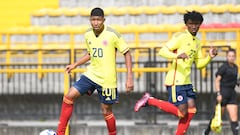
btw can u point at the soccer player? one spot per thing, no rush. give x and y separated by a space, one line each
102 43
183 48
225 82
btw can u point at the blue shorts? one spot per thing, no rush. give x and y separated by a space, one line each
86 86
180 94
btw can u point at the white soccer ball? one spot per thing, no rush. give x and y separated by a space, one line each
48 132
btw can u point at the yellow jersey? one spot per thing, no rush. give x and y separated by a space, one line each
102 51
180 70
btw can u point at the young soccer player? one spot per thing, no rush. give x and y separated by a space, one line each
225 82
184 48
102 43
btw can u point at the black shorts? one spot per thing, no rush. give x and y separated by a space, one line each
229 96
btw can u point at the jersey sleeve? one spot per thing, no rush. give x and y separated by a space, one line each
121 45
86 38
87 46
171 45
200 60
221 70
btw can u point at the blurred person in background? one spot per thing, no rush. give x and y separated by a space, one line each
183 48
225 82
102 43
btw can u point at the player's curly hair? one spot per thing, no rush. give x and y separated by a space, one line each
193 15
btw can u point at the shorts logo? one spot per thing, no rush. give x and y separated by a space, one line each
107 99
180 98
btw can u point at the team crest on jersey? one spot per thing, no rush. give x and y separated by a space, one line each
105 43
180 98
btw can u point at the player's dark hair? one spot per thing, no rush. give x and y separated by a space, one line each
97 12
231 50
193 15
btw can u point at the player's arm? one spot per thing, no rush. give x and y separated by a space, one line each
167 51
220 72
217 83
217 88
81 61
200 61
128 62
121 45
238 82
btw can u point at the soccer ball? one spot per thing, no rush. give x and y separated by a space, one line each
48 132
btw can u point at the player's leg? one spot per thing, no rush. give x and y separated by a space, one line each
109 118
232 108
184 122
233 115
108 96
186 100
166 106
82 86
66 111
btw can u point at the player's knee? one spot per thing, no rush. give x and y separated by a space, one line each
68 100
72 94
180 114
183 112
106 111
192 110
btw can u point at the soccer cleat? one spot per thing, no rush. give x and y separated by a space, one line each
141 102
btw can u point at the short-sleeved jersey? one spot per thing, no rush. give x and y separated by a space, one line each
102 51
228 75
180 70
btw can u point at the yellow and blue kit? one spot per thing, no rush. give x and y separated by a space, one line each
101 74
178 80
102 49
183 42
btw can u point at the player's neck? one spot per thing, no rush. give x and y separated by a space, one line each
98 32
231 64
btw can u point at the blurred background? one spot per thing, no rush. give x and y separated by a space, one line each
38 38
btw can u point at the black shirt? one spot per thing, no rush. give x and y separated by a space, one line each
229 75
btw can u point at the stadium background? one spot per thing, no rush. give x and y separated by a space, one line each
40 37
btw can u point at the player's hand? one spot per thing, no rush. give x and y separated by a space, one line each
238 82
213 52
219 98
129 85
182 56
69 68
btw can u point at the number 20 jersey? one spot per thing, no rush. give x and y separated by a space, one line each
102 49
